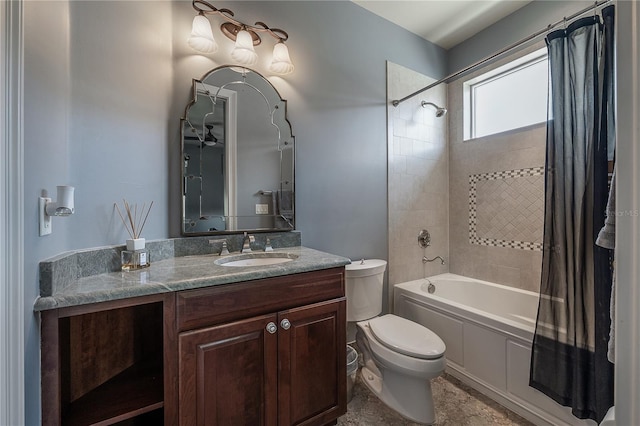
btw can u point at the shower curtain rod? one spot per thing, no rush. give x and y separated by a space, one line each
564 20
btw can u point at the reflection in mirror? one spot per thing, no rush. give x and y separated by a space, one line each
238 156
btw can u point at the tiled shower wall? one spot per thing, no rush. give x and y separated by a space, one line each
417 177
495 198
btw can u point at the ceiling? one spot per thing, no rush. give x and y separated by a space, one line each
443 22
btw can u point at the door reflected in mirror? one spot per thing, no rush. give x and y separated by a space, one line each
238 156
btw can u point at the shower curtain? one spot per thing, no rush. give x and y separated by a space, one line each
569 354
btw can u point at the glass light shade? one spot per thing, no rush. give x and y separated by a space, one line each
281 63
201 38
243 53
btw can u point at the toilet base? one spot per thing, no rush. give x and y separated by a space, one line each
411 398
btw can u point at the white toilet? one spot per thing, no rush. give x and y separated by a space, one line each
400 356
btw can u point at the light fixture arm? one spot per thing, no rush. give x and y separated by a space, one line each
205 8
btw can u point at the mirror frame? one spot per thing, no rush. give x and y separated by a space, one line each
233 219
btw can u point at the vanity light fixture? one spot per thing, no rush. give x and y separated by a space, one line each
245 36
64 206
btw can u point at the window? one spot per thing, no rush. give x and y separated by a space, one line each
508 97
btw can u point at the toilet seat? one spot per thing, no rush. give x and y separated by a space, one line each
407 337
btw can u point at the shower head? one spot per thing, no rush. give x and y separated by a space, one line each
439 110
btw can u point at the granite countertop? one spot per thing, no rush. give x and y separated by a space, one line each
180 273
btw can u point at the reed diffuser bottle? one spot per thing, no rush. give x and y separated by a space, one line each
136 255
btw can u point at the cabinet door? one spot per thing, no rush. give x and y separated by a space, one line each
312 364
228 374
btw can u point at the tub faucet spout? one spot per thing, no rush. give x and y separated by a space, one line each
425 260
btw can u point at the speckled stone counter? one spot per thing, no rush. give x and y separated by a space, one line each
165 275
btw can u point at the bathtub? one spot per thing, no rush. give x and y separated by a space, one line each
488 329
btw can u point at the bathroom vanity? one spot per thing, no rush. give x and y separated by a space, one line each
189 342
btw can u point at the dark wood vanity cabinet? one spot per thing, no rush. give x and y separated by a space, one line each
284 365
263 352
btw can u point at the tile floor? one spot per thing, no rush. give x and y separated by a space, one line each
456 405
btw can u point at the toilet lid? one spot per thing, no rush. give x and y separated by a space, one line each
407 337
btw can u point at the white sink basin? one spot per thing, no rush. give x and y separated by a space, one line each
256 259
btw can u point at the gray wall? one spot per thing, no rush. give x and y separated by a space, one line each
96 108
520 24
106 83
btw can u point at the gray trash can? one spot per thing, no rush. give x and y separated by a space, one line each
352 370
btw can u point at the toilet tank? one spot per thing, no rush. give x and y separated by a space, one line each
363 282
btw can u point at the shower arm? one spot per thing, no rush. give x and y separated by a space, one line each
440 111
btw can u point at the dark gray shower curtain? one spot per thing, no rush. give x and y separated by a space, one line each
568 360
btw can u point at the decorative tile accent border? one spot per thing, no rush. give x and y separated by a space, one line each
474 238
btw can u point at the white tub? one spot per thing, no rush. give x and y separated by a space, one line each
488 329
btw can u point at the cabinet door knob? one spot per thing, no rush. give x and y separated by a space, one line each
272 327
285 324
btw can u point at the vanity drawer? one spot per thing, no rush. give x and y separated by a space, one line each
229 302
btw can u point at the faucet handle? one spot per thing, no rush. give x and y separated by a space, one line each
224 250
268 246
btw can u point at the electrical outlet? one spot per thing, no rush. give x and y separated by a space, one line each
262 208
44 219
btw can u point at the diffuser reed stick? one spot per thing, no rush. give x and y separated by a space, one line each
134 223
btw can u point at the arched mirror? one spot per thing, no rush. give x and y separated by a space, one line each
237 156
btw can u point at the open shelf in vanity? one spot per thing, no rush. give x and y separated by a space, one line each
135 391
108 361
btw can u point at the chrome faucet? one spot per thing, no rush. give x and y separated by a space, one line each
246 246
425 260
